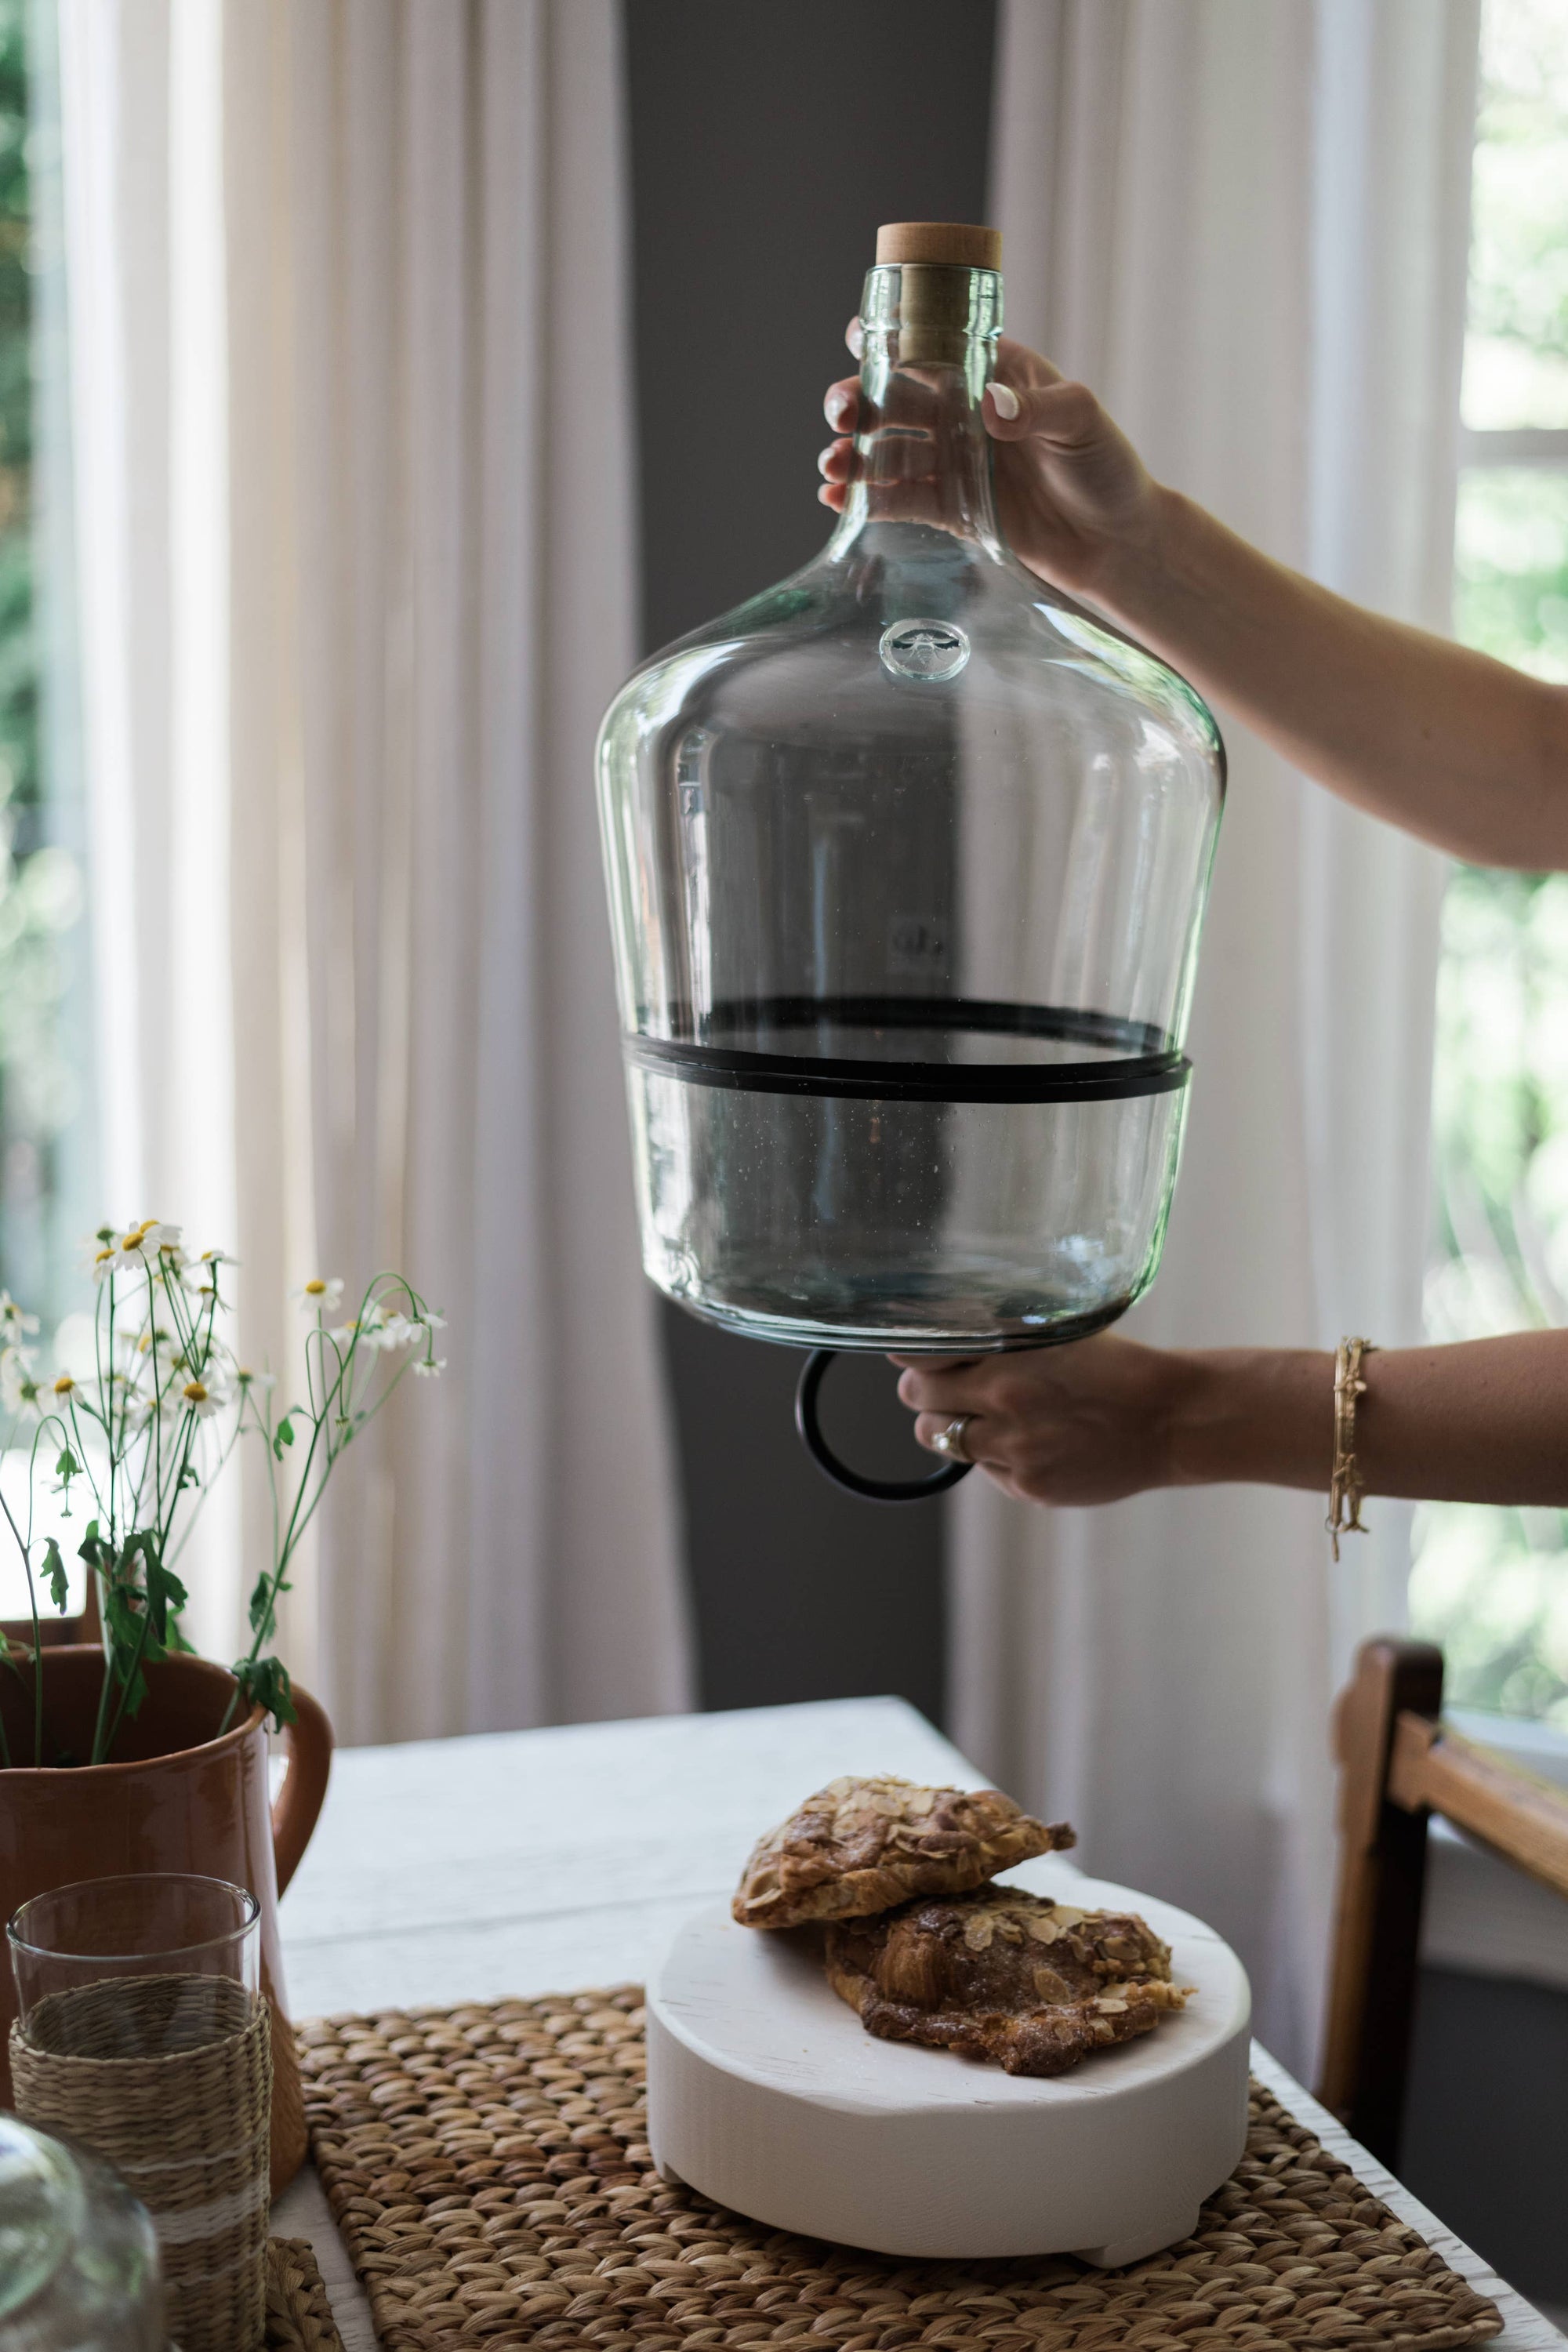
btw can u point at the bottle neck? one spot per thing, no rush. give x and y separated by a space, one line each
922 456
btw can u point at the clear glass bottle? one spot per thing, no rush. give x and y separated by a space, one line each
907 859
79 2261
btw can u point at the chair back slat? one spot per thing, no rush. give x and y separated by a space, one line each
1377 1908
1399 1763
1522 1818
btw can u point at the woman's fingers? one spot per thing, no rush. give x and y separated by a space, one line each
979 1445
841 403
1067 415
834 462
941 1387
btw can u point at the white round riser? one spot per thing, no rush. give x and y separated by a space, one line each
766 2094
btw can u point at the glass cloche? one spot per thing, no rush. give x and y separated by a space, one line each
906 860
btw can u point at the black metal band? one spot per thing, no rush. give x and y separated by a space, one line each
1146 1063
859 1482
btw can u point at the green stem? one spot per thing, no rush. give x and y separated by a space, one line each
98 1739
189 1439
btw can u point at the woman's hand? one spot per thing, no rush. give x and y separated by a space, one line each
1074 499
1480 1421
1085 1423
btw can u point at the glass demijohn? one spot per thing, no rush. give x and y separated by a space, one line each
906 860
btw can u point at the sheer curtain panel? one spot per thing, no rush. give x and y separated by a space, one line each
1246 227
350 343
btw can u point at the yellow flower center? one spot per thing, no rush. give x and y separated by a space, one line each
64 1385
315 1288
196 1392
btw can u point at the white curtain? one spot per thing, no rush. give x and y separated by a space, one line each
350 352
1244 225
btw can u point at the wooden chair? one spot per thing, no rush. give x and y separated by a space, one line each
1399 1763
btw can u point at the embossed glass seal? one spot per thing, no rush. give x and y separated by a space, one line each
923 649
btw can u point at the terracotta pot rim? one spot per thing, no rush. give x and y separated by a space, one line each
228 1739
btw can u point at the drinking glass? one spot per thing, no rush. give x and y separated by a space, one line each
140 1967
141 2035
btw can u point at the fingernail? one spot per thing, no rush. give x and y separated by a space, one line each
822 458
839 408
856 338
1006 400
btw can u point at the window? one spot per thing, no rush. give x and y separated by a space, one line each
1491 1585
47 1177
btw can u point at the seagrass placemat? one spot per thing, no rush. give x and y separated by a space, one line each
488 2170
298 2316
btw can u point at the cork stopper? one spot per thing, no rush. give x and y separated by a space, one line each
948 242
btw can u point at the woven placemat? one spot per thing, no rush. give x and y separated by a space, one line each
298 2316
488 2170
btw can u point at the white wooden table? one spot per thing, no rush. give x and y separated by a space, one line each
536 1861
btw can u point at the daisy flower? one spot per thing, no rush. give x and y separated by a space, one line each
136 1250
199 1276
202 1397
369 1329
14 1324
397 1331
319 1298
18 1389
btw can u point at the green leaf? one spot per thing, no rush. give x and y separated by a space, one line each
55 1573
67 1466
124 1622
164 1592
261 1604
285 1436
265 1682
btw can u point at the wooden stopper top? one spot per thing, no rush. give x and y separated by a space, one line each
940 241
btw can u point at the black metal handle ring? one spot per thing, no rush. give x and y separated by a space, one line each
874 1490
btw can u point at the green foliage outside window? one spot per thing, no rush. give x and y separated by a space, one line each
41 993
1491 1585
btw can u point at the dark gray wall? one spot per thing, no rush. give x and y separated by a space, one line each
767 143
1486 2127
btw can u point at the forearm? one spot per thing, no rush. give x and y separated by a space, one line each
1485 1420
1452 746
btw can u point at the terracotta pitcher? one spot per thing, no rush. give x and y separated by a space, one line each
178 1797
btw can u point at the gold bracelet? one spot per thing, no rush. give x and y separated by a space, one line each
1345 1490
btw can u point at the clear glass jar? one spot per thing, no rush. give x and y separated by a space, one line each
906 860
79 2260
